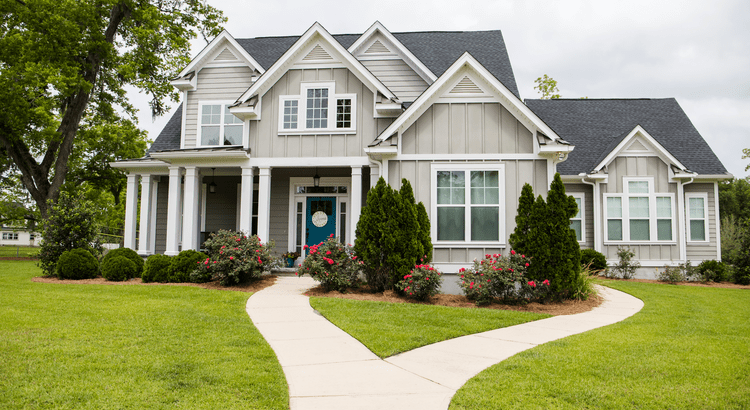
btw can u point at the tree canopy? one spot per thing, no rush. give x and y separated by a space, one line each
547 87
64 66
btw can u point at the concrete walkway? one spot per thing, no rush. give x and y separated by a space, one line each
328 369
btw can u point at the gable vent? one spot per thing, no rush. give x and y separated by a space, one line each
637 146
466 86
226 55
317 53
377 47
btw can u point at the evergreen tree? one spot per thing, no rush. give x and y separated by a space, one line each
523 219
565 253
409 247
424 231
537 242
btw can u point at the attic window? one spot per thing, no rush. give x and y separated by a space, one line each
313 110
218 126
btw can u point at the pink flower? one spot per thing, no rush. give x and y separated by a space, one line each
328 252
527 264
546 282
532 284
330 236
231 258
304 247
523 256
427 278
512 252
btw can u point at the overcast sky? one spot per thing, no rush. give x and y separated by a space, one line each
695 51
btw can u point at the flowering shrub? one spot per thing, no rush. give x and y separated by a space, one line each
501 277
234 258
331 263
422 282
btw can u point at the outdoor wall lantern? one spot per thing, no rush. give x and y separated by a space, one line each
212 185
316 179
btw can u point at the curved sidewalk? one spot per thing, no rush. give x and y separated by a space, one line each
328 369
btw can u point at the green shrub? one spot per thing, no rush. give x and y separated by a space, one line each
672 274
583 285
77 264
502 277
742 260
127 253
234 258
596 261
119 268
156 268
421 283
712 271
332 264
69 225
625 267
184 264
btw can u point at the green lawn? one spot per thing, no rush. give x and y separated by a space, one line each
18 251
130 347
689 348
392 328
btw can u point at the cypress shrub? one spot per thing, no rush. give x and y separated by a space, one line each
523 219
597 260
424 232
156 268
77 264
184 264
119 268
127 253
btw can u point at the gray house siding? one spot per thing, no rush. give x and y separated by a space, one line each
588 212
162 197
699 251
221 207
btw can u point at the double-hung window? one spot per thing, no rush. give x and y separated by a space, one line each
639 214
697 216
468 203
10 236
317 109
218 126
576 222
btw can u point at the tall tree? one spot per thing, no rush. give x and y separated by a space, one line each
64 60
547 87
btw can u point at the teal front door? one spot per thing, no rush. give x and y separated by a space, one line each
321 219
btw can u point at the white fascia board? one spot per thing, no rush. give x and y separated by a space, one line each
269 78
661 151
709 177
410 58
152 167
224 36
171 156
425 99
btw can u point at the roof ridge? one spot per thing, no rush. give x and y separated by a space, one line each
601 99
395 32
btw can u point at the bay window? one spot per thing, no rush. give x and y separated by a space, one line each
218 126
317 109
639 214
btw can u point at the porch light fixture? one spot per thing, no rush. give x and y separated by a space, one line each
316 179
212 185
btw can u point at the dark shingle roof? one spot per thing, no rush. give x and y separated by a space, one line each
169 137
597 126
436 49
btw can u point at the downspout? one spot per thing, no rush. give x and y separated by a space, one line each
681 210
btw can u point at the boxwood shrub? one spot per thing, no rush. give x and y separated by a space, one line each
77 264
156 268
184 264
128 253
712 270
119 268
597 260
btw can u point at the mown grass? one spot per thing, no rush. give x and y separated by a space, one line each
130 347
7 251
689 348
391 328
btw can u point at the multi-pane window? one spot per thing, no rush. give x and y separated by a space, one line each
576 222
344 113
290 114
640 214
468 205
317 108
10 236
218 126
697 217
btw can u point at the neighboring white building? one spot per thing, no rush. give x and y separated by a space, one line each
18 237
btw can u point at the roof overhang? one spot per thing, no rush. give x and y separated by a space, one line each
200 59
659 149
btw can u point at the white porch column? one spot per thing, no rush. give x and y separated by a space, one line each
144 242
131 203
374 175
191 209
246 201
174 208
356 202
264 203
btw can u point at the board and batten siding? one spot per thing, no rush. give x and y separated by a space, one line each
266 142
517 173
648 166
700 251
588 211
467 128
213 84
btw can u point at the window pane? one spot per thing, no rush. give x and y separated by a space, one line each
578 214
576 226
450 224
230 118
477 196
492 196
209 135
211 114
485 224
696 208
290 115
638 207
443 179
614 207
443 195
343 113
697 231
232 135
317 108
458 196
639 230
614 230
477 179
458 179
638 187
664 230
663 207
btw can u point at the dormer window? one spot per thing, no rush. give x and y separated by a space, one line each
219 127
318 109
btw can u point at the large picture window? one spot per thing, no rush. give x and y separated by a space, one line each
218 126
468 203
639 214
317 109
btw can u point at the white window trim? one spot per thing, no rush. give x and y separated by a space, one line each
625 208
302 111
704 196
199 131
468 167
582 197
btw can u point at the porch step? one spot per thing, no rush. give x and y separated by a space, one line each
284 271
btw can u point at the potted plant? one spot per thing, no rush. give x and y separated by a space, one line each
290 258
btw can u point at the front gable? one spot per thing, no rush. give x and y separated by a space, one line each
639 143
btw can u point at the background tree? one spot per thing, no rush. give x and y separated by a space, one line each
547 87
734 208
65 60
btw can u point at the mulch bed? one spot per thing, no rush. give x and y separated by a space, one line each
253 286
